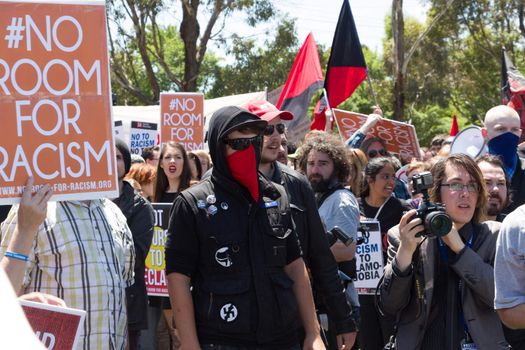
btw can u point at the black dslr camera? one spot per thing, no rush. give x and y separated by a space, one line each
337 234
436 221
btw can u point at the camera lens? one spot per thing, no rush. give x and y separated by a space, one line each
438 223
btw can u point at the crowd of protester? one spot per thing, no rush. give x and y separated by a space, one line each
262 237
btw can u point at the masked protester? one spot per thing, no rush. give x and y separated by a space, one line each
231 239
502 130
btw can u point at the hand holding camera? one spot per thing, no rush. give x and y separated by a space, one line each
410 231
437 222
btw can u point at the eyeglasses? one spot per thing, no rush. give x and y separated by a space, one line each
373 153
459 187
269 129
241 144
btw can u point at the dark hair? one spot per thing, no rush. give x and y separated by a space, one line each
373 168
147 153
438 140
496 161
367 142
461 161
162 183
333 147
196 160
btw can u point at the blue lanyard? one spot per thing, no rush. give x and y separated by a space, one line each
443 250
444 255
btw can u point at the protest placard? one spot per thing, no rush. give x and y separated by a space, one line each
399 137
369 258
55 100
142 135
182 119
119 129
56 327
155 274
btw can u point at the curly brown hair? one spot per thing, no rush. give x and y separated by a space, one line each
333 147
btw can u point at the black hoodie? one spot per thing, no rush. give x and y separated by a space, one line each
234 251
224 121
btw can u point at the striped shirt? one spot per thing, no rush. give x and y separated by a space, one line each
84 254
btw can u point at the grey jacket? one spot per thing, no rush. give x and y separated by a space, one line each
475 268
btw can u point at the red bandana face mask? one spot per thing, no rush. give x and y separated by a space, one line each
243 166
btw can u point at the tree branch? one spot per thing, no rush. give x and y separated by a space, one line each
422 35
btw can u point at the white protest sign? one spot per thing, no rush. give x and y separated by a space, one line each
119 129
369 258
142 135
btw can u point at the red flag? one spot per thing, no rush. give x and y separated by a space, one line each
346 67
304 79
454 129
512 86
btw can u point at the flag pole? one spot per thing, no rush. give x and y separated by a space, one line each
329 110
372 90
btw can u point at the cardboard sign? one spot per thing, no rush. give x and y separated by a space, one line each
55 100
369 259
142 135
155 274
119 129
182 119
399 137
56 327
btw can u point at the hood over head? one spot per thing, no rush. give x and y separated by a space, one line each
222 122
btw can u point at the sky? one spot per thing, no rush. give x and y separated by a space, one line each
320 17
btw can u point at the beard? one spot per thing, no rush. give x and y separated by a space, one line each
494 209
319 185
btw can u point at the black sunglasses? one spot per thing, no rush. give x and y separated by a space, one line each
373 153
242 143
268 130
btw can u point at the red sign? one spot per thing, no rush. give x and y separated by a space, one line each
399 137
56 327
55 100
182 119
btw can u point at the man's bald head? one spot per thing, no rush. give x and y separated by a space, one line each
501 119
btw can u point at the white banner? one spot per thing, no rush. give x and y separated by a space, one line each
369 258
142 135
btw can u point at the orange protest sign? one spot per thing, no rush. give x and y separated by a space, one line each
399 137
55 100
182 119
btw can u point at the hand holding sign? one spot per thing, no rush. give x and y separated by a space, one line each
399 138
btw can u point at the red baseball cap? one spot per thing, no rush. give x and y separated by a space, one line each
266 111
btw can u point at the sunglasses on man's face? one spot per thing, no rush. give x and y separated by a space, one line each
269 129
241 144
373 153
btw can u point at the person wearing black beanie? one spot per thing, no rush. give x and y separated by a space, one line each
126 155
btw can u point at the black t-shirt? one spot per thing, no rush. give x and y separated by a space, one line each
389 216
168 197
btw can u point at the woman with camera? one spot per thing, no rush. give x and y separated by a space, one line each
440 285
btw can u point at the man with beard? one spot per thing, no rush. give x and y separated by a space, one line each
316 252
502 130
231 239
323 158
498 188
497 185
